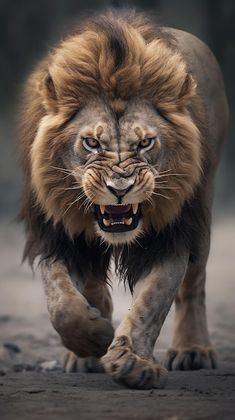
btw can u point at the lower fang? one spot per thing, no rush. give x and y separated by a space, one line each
128 221
106 222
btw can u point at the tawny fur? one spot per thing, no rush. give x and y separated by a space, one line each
120 79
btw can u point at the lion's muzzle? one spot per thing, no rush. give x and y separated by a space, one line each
118 218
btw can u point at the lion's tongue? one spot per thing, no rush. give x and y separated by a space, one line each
117 209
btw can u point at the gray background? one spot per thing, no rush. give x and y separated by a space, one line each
28 29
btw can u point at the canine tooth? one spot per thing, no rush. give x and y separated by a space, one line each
135 208
102 209
128 221
106 222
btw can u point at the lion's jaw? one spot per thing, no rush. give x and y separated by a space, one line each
119 238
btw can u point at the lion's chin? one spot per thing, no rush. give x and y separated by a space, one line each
120 238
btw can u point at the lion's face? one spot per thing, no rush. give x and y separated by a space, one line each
114 160
110 176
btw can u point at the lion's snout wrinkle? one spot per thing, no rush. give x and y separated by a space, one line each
124 107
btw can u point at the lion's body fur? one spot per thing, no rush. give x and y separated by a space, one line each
118 58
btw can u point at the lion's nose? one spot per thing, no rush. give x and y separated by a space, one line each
119 192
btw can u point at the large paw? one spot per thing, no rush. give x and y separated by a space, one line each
193 358
83 330
72 363
128 369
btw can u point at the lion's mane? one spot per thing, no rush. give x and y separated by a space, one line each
119 55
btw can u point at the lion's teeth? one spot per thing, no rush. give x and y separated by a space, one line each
102 209
106 222
135 208
117 223
128 221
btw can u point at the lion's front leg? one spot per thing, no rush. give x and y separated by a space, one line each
129 359
82 328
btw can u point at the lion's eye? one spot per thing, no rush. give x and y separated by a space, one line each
91 144
146 144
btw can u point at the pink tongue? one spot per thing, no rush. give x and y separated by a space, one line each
117 209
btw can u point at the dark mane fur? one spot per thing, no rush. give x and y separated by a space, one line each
50 243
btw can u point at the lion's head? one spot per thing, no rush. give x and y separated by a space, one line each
116 150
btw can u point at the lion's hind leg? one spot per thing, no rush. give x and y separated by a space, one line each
191 348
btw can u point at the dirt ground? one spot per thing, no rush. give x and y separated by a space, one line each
33 386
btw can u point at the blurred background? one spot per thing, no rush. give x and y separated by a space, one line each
28 29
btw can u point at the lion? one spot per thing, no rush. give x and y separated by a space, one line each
122 126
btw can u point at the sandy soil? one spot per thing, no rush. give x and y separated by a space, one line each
33 386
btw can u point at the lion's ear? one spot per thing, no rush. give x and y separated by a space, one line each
188 90
48 92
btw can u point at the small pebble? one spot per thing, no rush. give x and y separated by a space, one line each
20 367
2 373
49 365
12 347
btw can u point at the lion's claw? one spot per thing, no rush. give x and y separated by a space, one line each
72 363
193 358
127 368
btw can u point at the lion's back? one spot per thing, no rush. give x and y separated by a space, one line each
204 67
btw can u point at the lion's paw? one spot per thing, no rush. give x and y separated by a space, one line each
128 369
83 330
72 363
89 338
193 358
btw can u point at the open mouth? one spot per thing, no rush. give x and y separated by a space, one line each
118 218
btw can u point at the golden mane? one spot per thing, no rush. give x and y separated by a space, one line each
118 58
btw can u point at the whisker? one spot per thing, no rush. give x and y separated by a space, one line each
67 171
78 198
87 203
68 188
87 206
163 172
149 200
69 206
162 195
167 188
81 195
163 182
83 203
166 175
